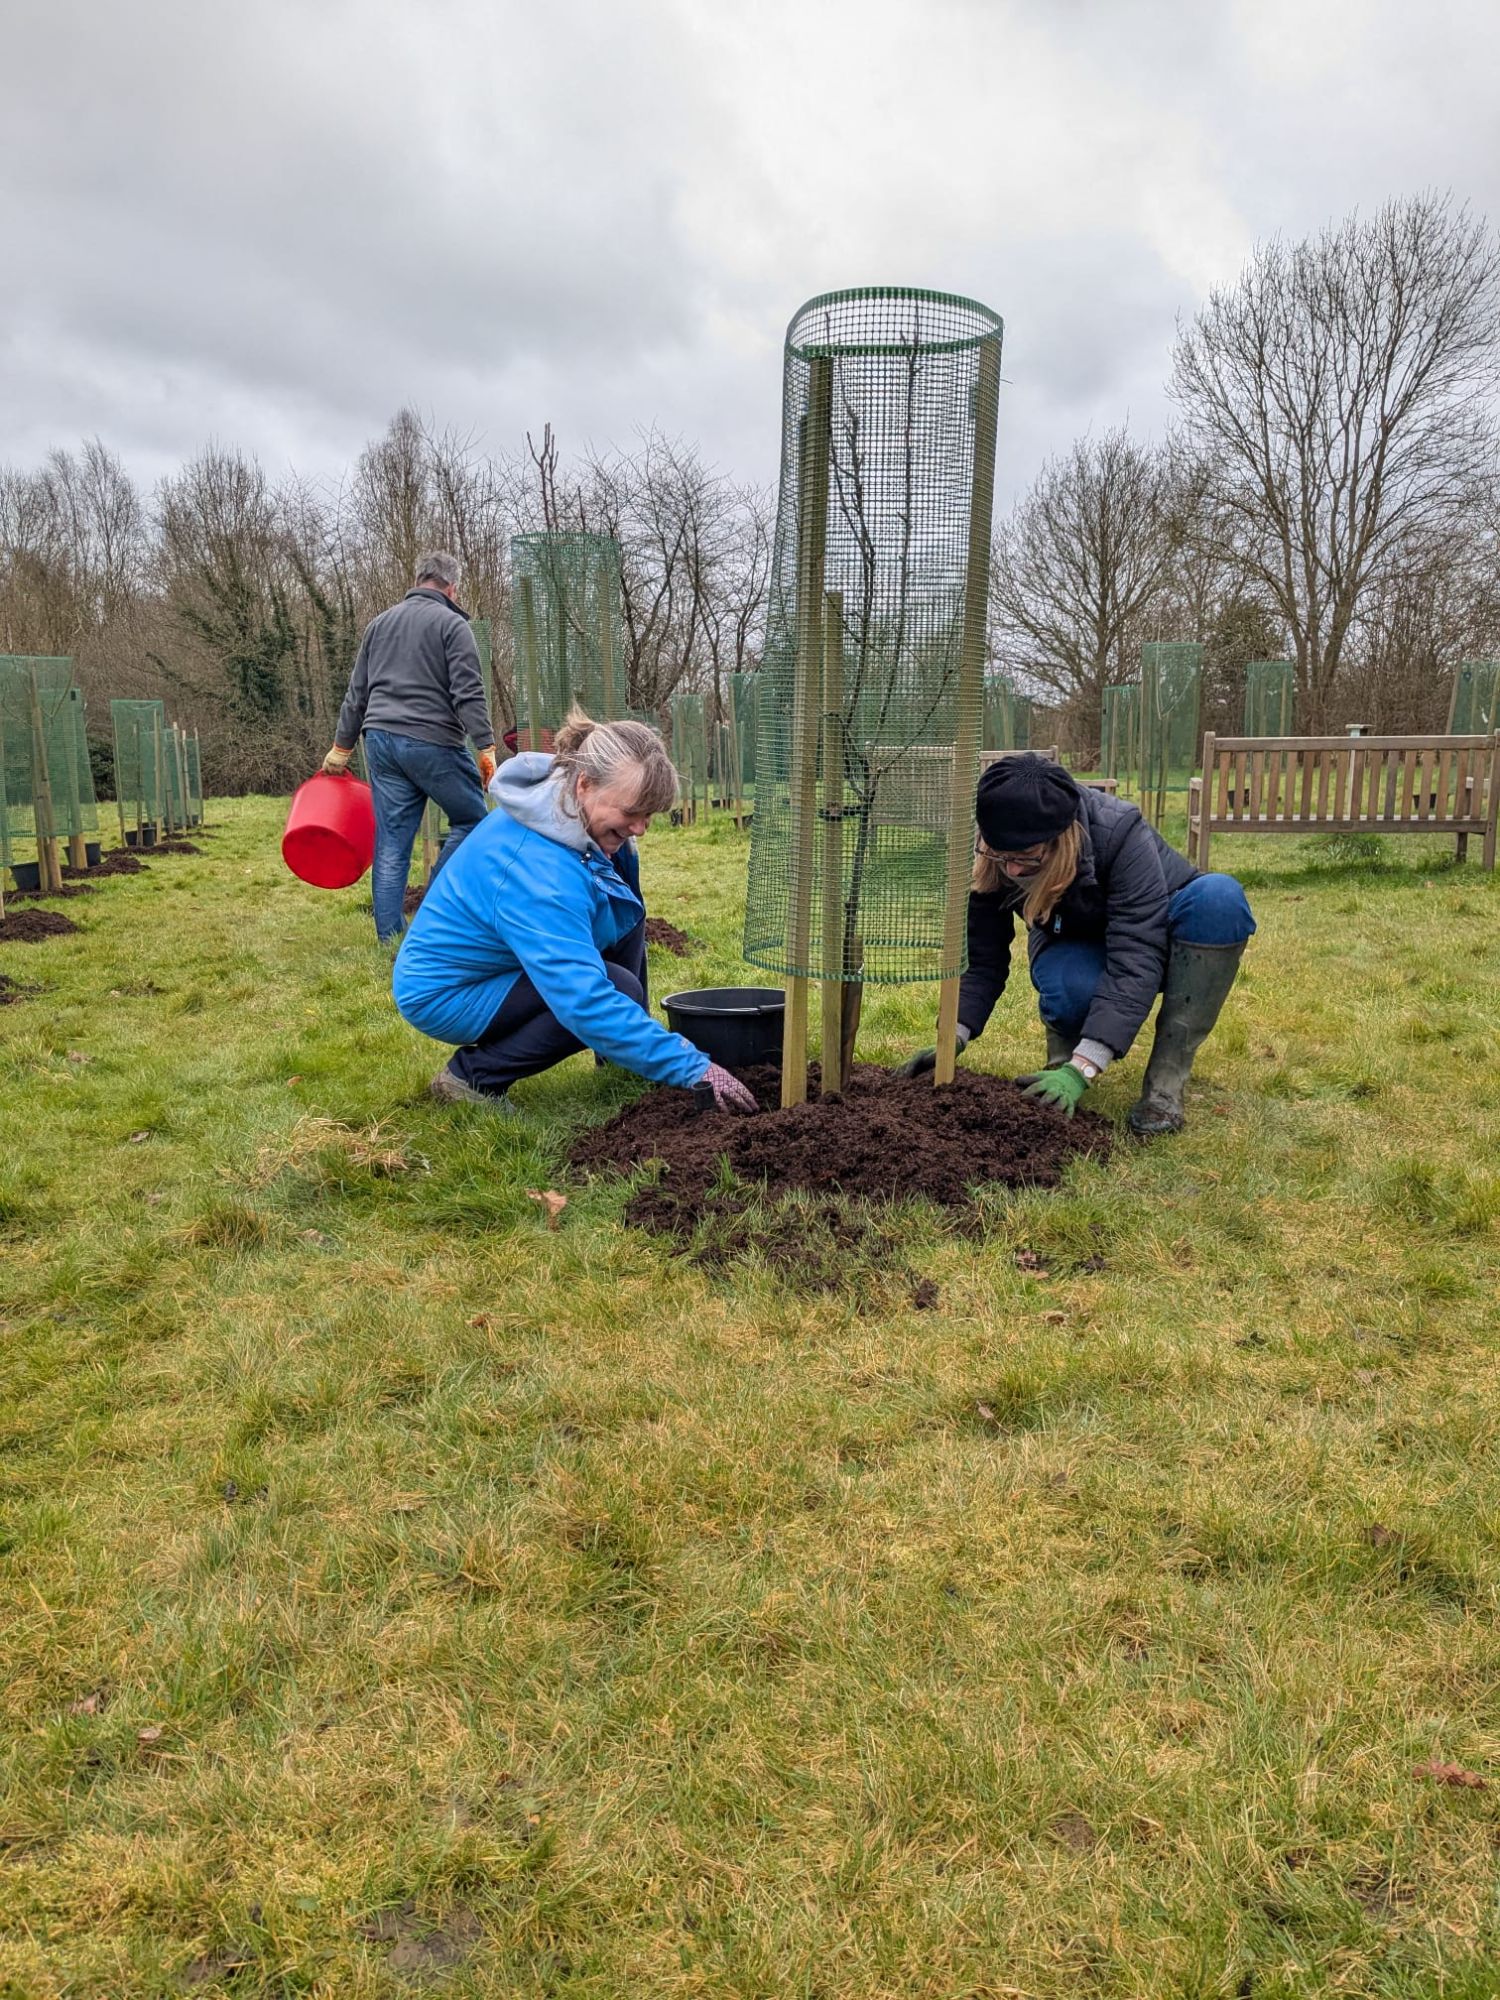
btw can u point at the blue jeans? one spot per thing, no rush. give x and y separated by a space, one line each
404 775
526 1037
1209 910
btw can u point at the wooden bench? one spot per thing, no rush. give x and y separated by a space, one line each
1346 784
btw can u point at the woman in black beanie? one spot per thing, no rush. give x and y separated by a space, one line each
1113 916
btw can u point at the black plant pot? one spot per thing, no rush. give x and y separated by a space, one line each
93 853
27 876
733 1025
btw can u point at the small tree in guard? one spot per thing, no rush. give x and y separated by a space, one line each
1475 707
39 758
1007 715
871 696
140 729
569 635
1120 731
1270 697
1171 674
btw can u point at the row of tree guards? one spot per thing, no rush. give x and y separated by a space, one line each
158 773
1151 729
46 781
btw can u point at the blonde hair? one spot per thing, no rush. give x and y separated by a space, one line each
614 753
1050 883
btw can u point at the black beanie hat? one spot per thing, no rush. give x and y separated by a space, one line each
1023 800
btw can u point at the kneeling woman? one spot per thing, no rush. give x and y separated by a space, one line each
531 943
1113 916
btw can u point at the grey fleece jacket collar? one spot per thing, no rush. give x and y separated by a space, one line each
529 791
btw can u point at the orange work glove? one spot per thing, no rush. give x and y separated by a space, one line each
486 766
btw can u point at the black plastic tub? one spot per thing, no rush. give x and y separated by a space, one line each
93 853
733 1025
27 876
140 837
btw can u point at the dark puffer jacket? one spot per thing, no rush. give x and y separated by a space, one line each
1126 876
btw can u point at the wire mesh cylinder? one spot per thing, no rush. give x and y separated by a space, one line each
871 691
1475 708
39 746
569 634
1120 721
1171 673
1270 697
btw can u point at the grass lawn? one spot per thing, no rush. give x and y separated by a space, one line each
399 1595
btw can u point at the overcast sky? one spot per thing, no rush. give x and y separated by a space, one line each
271 223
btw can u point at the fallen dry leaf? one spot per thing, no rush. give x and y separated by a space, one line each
88 1704
78 1056
1055 1319
1379 1536
1450 1774
551 1200
408 1503
291 1080
139 1138
484 1321
985 1414
150 1735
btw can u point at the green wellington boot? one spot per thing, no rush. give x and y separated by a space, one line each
1059 1046
1199 977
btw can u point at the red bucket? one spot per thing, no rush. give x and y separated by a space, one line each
330 831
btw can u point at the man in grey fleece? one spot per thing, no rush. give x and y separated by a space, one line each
416 690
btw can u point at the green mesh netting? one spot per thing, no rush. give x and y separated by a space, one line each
1007 715
692 747
569 635
1120 732
1270 697
39 751
195 778
1476 699
141 783
1170 678
82 813
871 688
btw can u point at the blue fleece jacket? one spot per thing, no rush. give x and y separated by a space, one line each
528 891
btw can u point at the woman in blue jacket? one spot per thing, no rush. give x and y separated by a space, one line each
530 944
1113 916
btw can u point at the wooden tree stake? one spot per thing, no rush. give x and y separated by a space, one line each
812 542
970 701
832 1056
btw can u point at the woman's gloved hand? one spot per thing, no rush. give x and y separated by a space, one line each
1062 1087
925 1060
729 1093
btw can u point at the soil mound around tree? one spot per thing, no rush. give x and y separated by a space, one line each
68 889
411 899
119 861
175 847
887 1139
31 926
12 990
659 931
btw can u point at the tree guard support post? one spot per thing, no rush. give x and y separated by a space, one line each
832 1057
529 665
812 542
612 705
78 857
970 701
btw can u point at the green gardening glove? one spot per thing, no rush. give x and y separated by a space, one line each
1062 1088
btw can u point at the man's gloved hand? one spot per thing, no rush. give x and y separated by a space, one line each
486 767
925 1060
729 1093
337 761
1062 1088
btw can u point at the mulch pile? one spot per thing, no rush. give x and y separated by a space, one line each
174 847
411 902
67 890
32 926
887 1138
659 931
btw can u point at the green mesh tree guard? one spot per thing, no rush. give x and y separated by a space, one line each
872 682
1270 698
1475 708
1120 720
83 805
140 729
1170 677
195 779
569 633
692 747
1007 715
40 750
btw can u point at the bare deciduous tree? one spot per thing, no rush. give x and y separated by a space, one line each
1337 397
1076 566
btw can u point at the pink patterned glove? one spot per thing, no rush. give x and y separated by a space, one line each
729 1093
